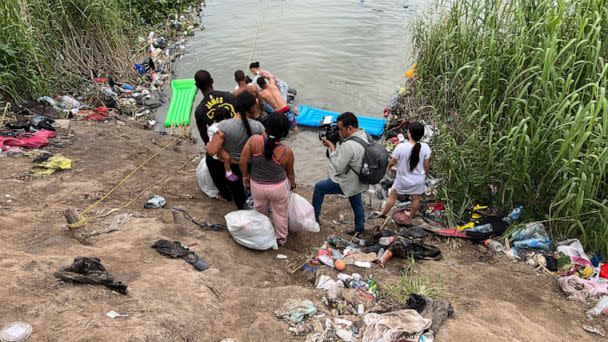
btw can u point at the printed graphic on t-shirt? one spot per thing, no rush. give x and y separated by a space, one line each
218 102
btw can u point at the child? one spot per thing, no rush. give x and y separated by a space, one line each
221 114
413 162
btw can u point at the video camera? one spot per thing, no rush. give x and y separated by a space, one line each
331 130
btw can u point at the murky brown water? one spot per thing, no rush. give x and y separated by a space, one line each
340 55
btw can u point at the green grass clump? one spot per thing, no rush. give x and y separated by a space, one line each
413 282
520 87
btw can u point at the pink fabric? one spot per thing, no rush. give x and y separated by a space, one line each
275 196
29 140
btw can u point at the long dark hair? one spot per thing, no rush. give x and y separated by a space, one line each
254 65
416 130
244 103
277 128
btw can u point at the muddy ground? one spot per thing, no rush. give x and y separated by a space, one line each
494 299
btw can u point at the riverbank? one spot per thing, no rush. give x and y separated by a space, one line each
168 300
236 297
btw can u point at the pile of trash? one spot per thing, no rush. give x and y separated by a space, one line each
581 277
374 246
134 99
354 310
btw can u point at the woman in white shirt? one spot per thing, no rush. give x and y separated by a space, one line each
413 160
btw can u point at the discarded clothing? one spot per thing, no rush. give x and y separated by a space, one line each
574 249
338 241
414 232
89 270
416 302
36 123
29 140
175 249
581 289
417 250
296 310
599 308
99 114
402 325
438 310
52 164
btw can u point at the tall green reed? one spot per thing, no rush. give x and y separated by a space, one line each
521 88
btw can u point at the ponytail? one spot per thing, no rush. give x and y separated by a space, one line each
416 131
269 145
245 120
244 103
277 128
415 156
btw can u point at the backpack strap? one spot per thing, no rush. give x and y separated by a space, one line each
363 143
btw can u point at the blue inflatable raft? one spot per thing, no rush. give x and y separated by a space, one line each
312 117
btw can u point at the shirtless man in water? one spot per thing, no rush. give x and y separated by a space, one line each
271 95
243 86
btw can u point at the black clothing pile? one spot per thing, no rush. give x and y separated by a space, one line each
175 249
36 123
89 270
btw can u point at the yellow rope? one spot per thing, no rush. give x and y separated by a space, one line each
255 40
82 220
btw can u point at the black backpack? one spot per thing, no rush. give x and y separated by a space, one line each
375 161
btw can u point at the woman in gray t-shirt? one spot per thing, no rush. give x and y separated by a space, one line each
231 136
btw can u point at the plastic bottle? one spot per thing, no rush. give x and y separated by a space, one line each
514 215
534 243
532 230
372 285
494 246
365 169
484 228
386 256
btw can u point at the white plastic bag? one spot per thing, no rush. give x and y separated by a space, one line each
205 182
251 229
301 215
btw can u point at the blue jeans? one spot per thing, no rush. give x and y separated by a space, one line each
267 108
329 187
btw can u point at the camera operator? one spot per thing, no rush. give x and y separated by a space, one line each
346 156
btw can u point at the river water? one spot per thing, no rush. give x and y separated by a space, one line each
342 55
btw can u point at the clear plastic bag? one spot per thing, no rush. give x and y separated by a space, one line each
204 180
301 215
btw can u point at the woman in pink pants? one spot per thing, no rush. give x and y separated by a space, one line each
267 168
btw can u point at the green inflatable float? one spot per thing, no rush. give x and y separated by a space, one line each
182 96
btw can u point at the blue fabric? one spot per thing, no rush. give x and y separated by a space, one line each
329 187
310 116
267 108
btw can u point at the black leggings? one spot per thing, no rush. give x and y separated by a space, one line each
218 174
237 189
230 191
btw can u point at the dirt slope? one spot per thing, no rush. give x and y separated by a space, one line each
494 299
